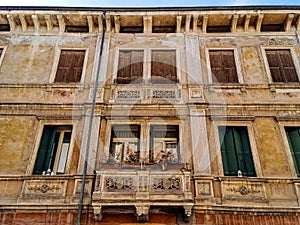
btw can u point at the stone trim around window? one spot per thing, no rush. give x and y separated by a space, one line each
266 64
236 58
146 74
217 145
38 138
56 61
282 124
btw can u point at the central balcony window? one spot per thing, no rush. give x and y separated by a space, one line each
125 143
150 144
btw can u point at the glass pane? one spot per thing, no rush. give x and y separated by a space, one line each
164 143
64 153
125 143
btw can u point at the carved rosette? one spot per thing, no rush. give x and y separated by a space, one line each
167 184
119 183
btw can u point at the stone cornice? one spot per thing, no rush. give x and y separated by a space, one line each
180 20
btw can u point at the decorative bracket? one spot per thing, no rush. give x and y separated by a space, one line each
187 213
142 213
98 213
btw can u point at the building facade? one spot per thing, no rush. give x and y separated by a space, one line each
150 115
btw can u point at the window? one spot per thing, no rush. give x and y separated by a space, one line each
125 143
293 136
70 66
53 150
223 66
164 140
235 151
130 66
163 66
281 66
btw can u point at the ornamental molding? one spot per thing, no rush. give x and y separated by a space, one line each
243 190
44 188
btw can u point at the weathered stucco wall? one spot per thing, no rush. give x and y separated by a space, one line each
17 135
273 159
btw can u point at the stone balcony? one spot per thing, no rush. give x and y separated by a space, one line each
142 188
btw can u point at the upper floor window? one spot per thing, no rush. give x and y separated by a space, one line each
281 65
70 66
53 150
223 66
138 66
293 136
130 66
236 151
163 66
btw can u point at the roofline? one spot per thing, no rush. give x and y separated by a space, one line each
177 8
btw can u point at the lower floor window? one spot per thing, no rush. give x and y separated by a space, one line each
53 150
125 143
236 151
293 136
164 143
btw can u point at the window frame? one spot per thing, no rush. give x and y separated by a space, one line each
217 144
286 146
37 142
56 62
266 63
236 53
147 62
145 128
4 48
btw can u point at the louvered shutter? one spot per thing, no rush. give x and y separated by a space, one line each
293 136
281 66
163 66
70 66
236 151
223 66
130 66
288 67
246 164
45 150
229 157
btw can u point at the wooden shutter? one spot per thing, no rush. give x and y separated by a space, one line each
281 66
45 150
236 151
163 66
223 66
293 136
70 66
245 159
229 156
130 66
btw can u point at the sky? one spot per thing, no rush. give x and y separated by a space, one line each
145 3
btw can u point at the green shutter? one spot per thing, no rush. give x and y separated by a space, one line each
236 151
229 157
293 136
247 163
45 150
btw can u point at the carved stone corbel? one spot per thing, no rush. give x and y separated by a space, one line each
187 212
98 213
142 213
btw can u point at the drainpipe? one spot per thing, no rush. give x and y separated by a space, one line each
80 204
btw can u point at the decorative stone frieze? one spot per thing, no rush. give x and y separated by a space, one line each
243 190
144 93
